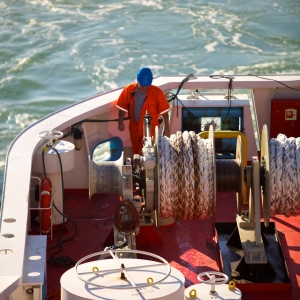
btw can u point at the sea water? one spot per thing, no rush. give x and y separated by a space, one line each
56 52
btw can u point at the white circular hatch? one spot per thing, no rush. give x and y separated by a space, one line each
119 278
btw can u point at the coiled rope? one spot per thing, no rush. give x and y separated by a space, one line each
285 176
186 176
126 217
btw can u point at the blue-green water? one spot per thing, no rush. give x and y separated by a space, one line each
56 52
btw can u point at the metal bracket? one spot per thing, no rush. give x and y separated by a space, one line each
249 227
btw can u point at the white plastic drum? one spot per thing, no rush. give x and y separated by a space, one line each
107 284
66 151
202 291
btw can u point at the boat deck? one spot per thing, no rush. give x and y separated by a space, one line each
188 245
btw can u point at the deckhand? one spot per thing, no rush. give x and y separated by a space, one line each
136 99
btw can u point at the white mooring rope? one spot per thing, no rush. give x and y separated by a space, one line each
186 176
285 176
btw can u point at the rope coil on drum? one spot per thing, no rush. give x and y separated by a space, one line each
188 165
186 176
285 175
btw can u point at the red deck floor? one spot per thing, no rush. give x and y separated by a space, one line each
187 245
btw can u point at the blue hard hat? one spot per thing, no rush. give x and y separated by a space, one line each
144 76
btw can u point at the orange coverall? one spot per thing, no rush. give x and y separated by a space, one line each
155 103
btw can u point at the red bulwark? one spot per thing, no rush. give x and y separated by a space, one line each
285 118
